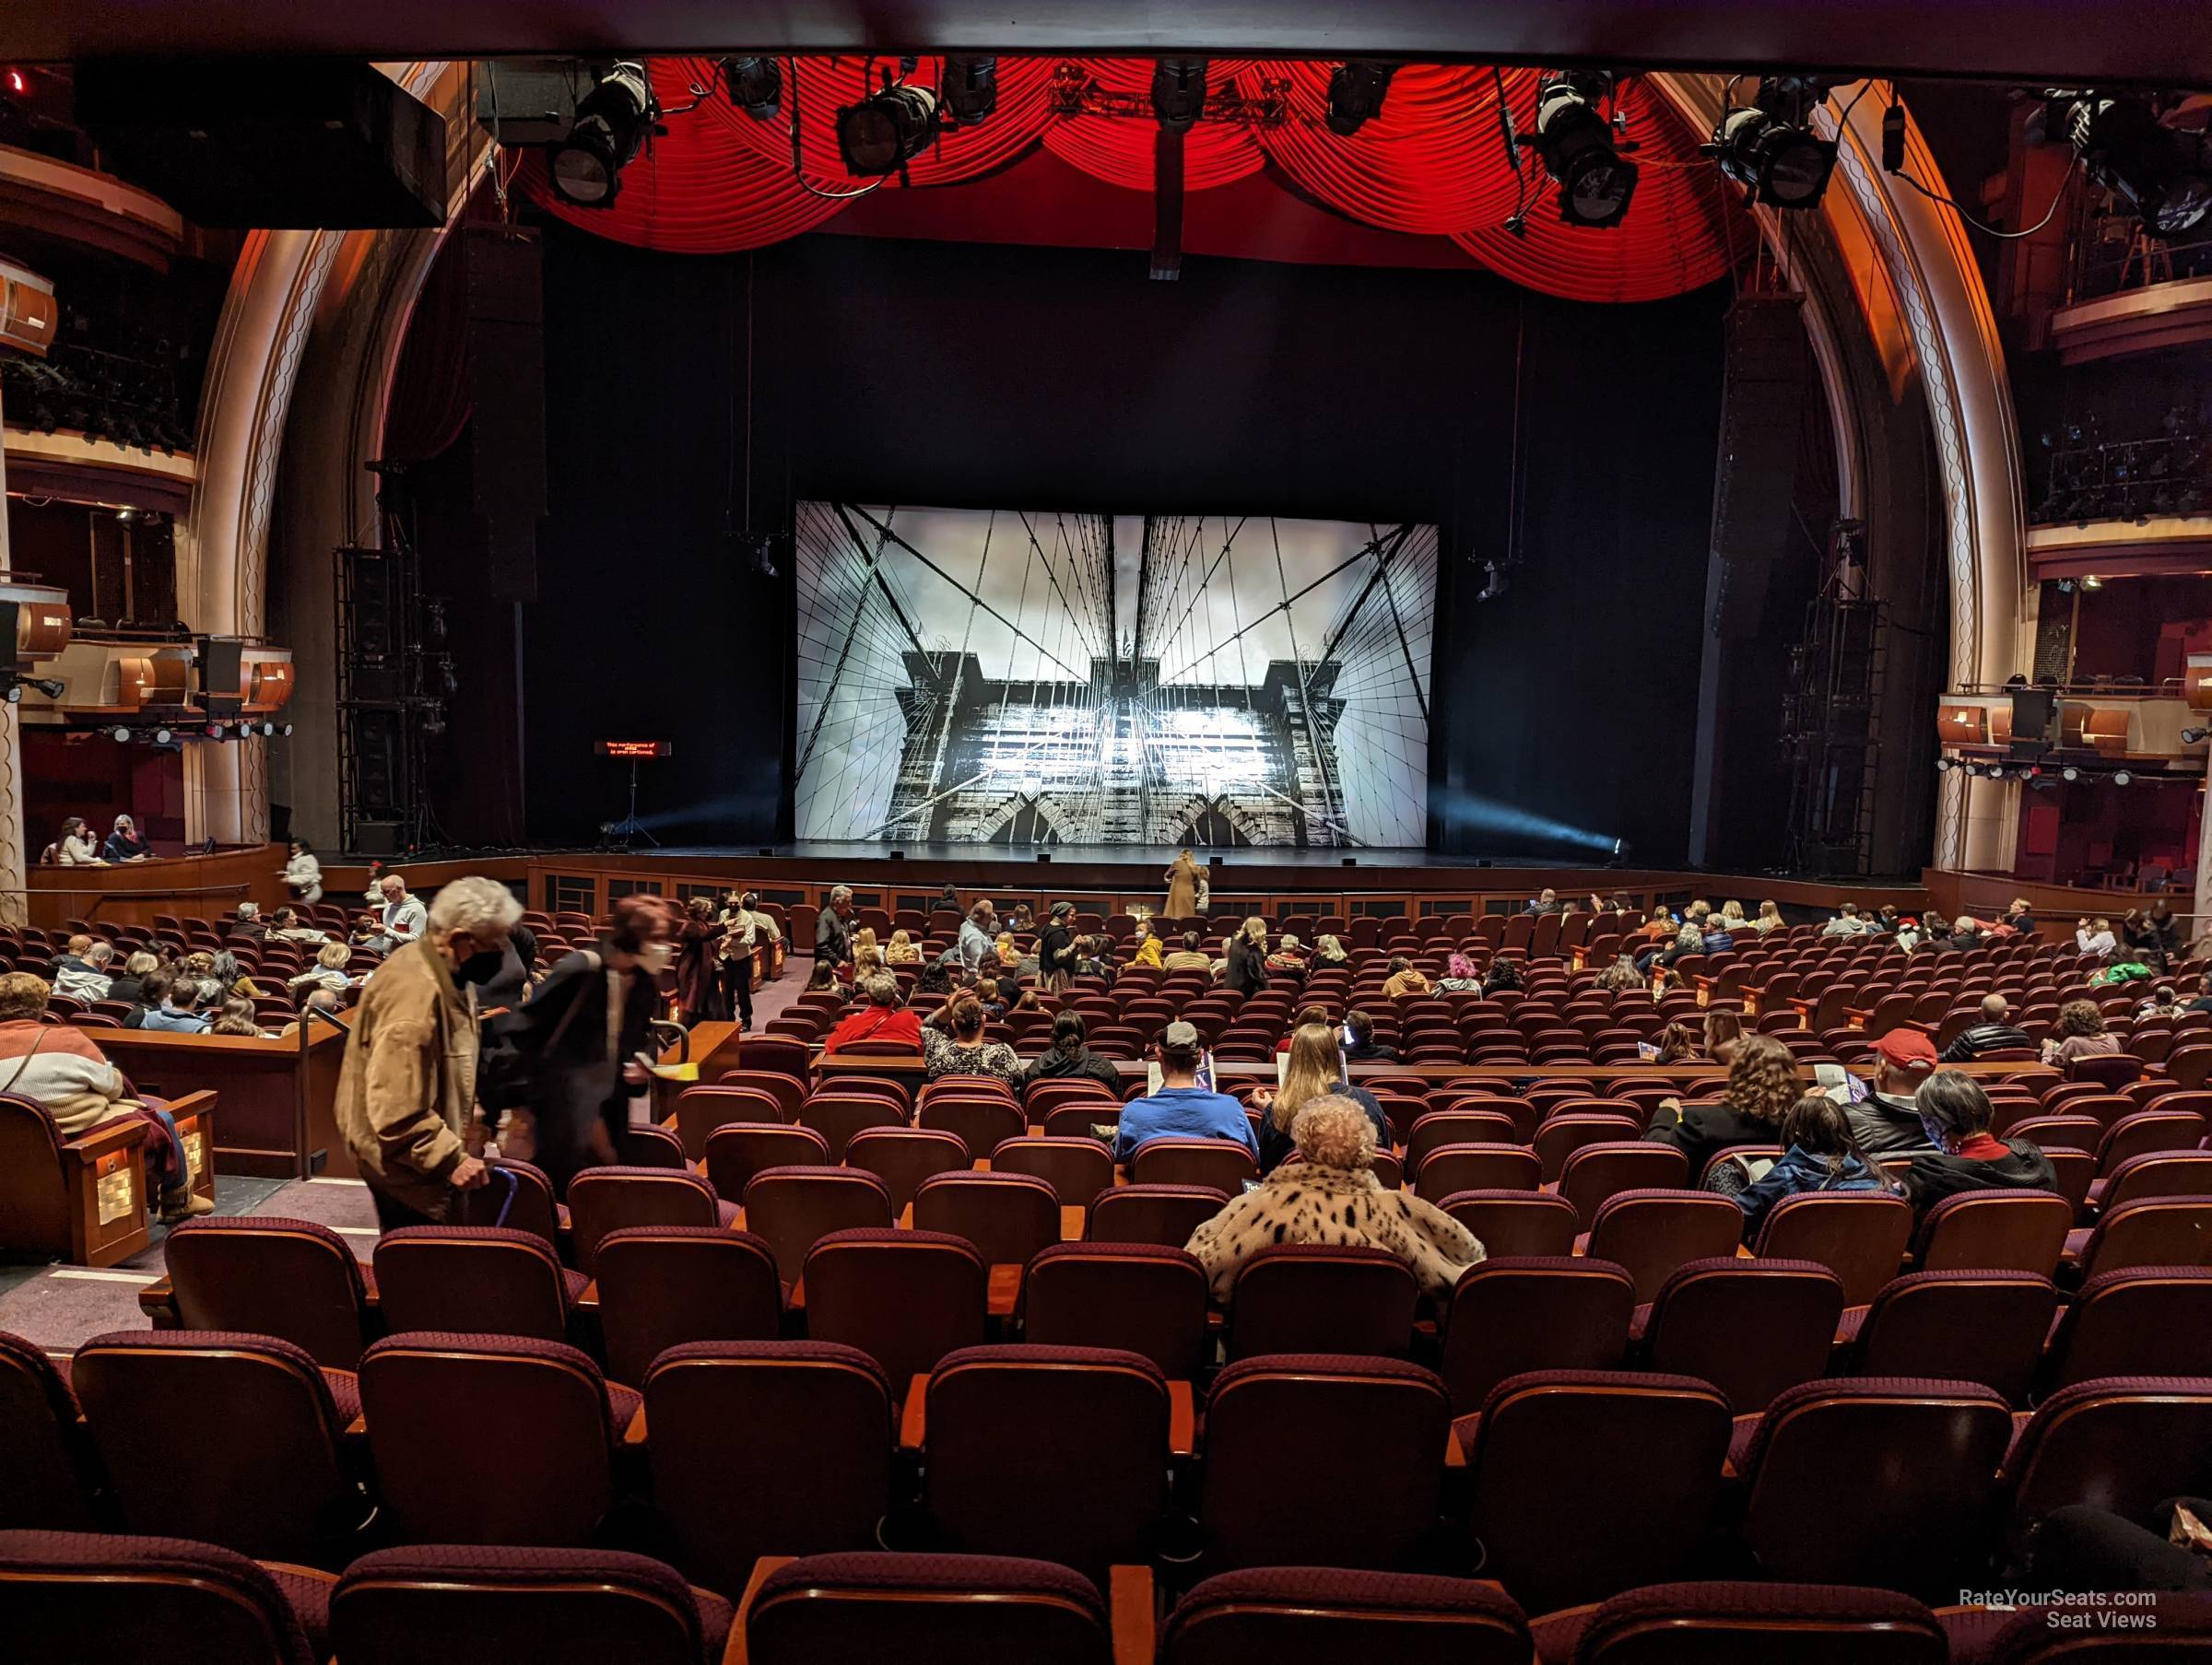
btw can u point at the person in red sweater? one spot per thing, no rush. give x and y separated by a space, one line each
885 1017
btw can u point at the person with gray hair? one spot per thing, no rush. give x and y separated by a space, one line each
1956 1115
833 927
83 973
1996 1032
885 1017
407 1089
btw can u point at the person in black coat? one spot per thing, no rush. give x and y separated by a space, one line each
1068 1058
1247 957
1056 948
561 1058
833 927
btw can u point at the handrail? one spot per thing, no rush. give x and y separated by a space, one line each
2167 687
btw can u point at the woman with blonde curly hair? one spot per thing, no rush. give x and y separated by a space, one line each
1330 1194
1762 1085
2079 1030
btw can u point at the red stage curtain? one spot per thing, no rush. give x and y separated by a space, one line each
429 405
1433 164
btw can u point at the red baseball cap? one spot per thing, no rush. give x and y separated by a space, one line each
1907 1049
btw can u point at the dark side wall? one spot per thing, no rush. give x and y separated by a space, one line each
990 376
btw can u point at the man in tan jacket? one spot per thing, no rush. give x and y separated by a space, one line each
408 1086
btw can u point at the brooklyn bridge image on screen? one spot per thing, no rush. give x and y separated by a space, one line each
1013 676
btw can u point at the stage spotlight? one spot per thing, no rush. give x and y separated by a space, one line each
215 731
969 92
2191 737
2163 173
1579 150
268 731
1944 766
53 687
120 735
755 86
1177 92
1357 88
162 736
1770 149
15 693
2069 773
611 124
885 131
286 730
2121 777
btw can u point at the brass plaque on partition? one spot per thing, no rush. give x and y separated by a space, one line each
118 1197
195 1140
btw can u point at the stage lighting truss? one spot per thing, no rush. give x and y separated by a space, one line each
612 120
887 130
1768 147
1356 88
1582 147
2161 172
1073 93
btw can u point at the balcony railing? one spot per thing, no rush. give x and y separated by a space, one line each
2112 253
2126 479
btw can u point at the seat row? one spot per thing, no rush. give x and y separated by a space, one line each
118 1597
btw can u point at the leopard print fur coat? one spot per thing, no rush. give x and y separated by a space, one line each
1305 1202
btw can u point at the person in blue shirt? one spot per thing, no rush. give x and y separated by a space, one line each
1181 1109
180 1009
1819 1155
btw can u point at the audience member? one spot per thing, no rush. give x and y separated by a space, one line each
1769 918
2095 936
2021 917
2079 1032
285 924
1459 976
1181 1109
82 971
1181 877
744 929
125 844
953 1043
230 976
1056 951
1024 921
1089 956
1148 952
1886 1121
1673 1044
1819 1155
833 928
510 985
2154 936
1007 952
697 943
1719 939
901 950
303 874
1406 978
1328 951
2203 1003
1314 1069
1846 923
885 1017
76 846
130 985
1245 966
972 947
153 993
2162 1003
237 1017
400 917
1723 1033
1288 958
1311 1013
1956 1114
1331 1195
570 1057
1994 1033
249 924
1762 1085
61 1067
989 991
1069 1058
1359 1043
328 972
1619 976
181 1009
1504 974
405 1090
1545 901
1732 916
1191 956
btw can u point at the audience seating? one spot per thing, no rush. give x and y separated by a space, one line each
903 1157
1985 1327
1079 1170
1008 1217
1449 1170
1750 1328
1993 1231
50 1203
518 1195
509 1603
905 1298
738 1150
662 1286
2140 1320
1142 1297
926 1610
2120 1442
1305 1615
1223 1164
1747 1625
700 1110
1654 1234
1508 1223
483 1280
49 1473
1510 1315
1859 1236
1311 1297
261 1472
791 1209
263 1275
1166 1214
1593 1174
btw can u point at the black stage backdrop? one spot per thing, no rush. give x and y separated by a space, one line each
979 376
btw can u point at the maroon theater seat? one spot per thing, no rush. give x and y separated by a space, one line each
2142 1320
479 1279
262 1471
1993 1231
545 1479
1449 1170
1317 1297
606 1199
905 1298
266 1276
1152 1213
1748 1624
1655 1234
837 1115
1857 1234
791 1209
1556 1450
813 1475
1924 1529
1515 1314
1223 1164
1008 1217
78 1598
998 1477
1595 1174
903 1157
1363 1502
1313 1615
2152 1231
1750 1328
1985 1327
1145 1297
738 1150
1077 1169
661 1286
926 1610
699 1110
980 1122
518 1196
1515 1222
48 1473
492 1604
2120 1442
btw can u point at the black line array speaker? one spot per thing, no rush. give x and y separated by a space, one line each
299 143
2032 711
1762 406
507 398
379 756
371 581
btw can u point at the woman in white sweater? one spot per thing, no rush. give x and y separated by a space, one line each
303 874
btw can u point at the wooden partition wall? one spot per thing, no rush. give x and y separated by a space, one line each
276 1098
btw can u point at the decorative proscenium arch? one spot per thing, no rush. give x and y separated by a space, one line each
323 313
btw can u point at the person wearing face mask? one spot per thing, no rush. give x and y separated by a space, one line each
1955 1114
571 1054
408 1089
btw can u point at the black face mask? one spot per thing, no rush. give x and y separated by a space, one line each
480 966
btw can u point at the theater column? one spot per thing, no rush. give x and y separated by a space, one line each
14 904
2198 687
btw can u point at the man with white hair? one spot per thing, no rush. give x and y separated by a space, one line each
82 972
400 914
407 1089
832 927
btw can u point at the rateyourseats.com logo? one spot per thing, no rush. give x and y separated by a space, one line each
2095 1610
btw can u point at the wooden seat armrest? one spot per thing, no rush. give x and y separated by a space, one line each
735 1653
314 1573
93 1143
1182 1420
912 1415
1132 1608
192 1104
1453 1456
158 1300
587 1298
635 1433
